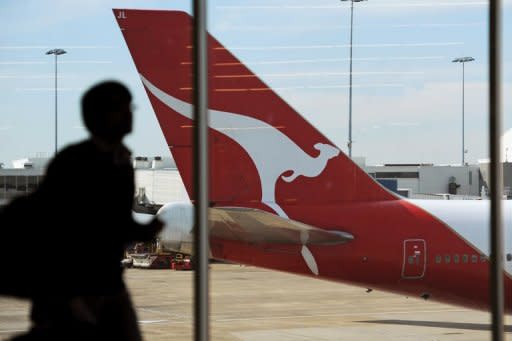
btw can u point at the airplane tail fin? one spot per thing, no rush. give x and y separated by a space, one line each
263 154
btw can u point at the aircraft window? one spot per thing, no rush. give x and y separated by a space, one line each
438 259
482 258
456 259
474 258
509 257
447 259
465 258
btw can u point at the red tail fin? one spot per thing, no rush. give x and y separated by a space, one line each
262 150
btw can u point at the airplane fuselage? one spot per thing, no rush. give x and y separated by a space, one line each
430 249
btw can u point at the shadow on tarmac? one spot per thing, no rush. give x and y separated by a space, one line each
436 324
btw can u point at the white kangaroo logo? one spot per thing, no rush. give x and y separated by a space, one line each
316 165
272 152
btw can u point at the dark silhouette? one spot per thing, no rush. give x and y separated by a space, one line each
83 214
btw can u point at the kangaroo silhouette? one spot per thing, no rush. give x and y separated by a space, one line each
283 155
316 165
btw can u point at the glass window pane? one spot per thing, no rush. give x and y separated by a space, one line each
10 182
21 183
32 182
395 83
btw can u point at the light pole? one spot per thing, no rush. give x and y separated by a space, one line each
56 52
463 60
349 144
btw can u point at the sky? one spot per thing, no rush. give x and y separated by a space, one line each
407 93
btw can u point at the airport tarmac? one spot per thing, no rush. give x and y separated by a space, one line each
249 304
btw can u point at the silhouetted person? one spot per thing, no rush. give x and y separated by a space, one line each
86 202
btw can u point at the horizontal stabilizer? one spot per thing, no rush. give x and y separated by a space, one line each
257 226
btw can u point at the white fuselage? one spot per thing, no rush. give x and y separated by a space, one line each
471 220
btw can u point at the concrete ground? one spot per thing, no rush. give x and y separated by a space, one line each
253 304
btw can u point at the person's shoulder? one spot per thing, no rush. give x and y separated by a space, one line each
72 154
84 146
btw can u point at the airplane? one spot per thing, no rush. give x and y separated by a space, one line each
284 197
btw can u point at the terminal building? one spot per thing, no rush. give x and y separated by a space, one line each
157 180
22 177
429 181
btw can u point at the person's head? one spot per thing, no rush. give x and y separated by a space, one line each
106 111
